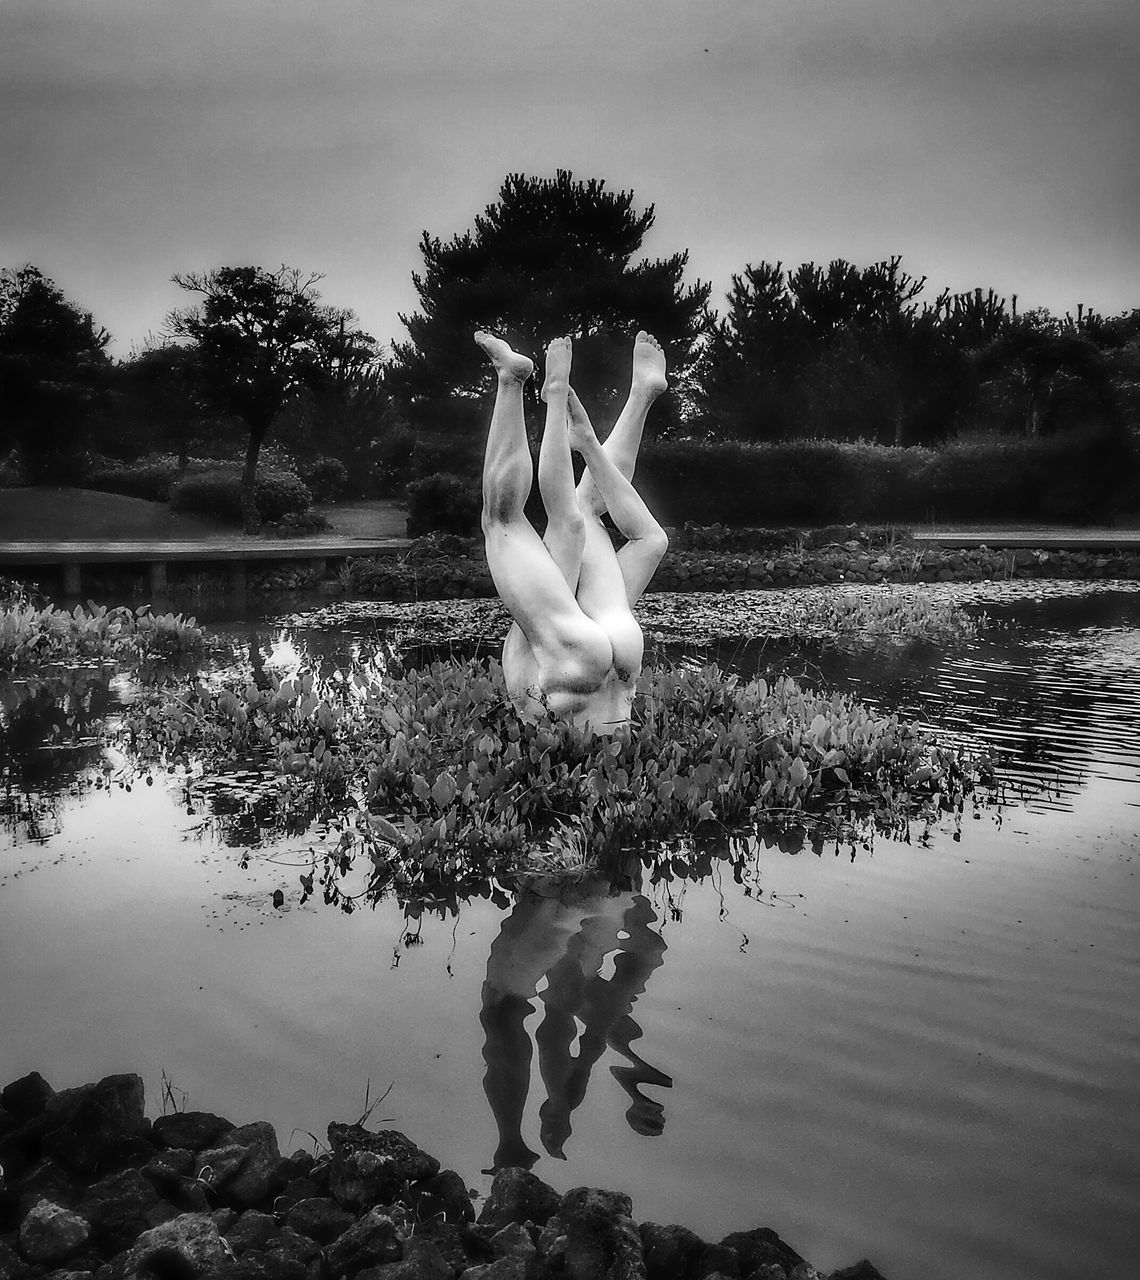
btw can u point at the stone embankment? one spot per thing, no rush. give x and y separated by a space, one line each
92 1190
430 573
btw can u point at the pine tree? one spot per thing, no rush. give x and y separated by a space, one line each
551 256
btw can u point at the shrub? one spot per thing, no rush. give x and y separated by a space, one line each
796 481
11 472
444 503
326 478
217 493
149 478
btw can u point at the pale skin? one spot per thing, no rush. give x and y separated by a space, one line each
574 646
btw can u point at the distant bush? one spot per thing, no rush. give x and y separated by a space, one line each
11 472
792 482
1076 476
444 503
149 478
217 493
326 478
1073 476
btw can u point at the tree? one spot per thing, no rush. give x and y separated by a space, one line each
53 373
260 338
840 352
1047 372
551 256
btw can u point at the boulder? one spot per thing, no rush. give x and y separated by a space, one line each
593 1235
258 1175
760 1247
670 1253
187 1247
517 1196
369 1241
862 1270
120 1208
508 1268
513 1241
192 1130
320 1218
252 1230
444 1196
50 1233
26 1098
372 1168
421 1261
91 1124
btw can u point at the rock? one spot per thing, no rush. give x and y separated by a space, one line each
320 1218
192 1130
459 1246
421 1261
444 1196
120 1208
862 1270
716 1260
517 1196
177 1162
258 1174
298 1189
223 1219
760 1247
369 1241
94 1121
513 1241
26 1098
45 1181
290 1246
217 1165
186 1247
511 1268
371 1168
670 1252
50 1233
11 1267
251 1231
601 1240
802 1271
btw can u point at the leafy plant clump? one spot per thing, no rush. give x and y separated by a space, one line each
436 777
33 634
904 617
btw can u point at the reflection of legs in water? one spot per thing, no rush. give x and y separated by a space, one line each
645 1115
603 1006
531 942
507 1052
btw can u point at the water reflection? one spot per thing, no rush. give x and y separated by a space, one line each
584 951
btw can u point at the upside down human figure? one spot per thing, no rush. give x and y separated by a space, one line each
574 646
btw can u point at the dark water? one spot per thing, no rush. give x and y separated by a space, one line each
928 1053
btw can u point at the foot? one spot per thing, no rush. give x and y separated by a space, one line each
558 357
648 365
508 364
579 428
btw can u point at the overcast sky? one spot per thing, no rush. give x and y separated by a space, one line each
990 142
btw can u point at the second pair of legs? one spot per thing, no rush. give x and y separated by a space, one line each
574 645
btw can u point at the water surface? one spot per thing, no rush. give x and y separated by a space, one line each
925 1051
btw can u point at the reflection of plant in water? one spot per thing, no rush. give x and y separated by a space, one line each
555 946
434 775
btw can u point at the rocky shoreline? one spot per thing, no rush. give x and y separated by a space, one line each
90 1189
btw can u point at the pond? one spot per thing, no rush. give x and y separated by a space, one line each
922 1049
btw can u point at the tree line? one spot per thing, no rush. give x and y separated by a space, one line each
832 352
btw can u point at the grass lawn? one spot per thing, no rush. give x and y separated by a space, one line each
84 514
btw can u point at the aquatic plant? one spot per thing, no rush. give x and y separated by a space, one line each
898 615
435 776
32 633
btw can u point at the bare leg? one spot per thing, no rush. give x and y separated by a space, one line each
647 542
622 444
565 530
